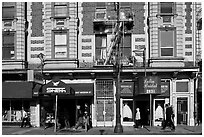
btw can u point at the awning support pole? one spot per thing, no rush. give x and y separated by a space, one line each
55 128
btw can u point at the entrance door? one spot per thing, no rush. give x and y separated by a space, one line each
104 103
105 112
144 111
182 111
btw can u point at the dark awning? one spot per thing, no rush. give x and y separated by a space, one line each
19 89
83 89
58 88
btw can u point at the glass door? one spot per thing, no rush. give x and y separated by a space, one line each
182 110
105 102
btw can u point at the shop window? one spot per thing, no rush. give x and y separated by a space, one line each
167 42
8 51
60 45
12 110
181 86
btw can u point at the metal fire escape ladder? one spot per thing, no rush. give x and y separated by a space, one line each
113 42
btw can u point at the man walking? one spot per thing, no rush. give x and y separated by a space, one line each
169 114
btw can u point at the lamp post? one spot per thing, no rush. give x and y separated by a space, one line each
41 57
118 127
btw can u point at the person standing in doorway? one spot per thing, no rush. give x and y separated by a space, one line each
138 118
168 120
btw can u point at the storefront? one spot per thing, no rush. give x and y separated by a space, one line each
70 94
16 96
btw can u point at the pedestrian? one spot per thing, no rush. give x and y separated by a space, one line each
86 117
25 119
80 121
43 117
168 120
66 118
138 118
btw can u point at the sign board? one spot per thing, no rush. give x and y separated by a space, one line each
57 88
149 85
127 89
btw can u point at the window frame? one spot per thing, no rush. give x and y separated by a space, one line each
60 4
65 45
9 45
173 29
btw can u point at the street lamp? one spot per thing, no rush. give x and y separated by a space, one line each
41 57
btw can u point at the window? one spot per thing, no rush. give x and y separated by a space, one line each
101 44
60 9
8 10
60 47
167 42
181 86
126 45
100 5
166 7
8 51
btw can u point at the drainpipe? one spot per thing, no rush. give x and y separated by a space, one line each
148 31
77 35
26 36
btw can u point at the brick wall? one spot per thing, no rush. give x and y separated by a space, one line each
36 20
88 17
139 17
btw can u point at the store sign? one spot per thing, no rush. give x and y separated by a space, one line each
58 87
56 90
149 85
127 89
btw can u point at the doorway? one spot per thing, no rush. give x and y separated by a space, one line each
144 111
182 110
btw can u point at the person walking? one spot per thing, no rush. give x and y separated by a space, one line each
168 120
137 118
43 117
86 117
25 119
80 118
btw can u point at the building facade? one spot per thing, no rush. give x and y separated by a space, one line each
48 43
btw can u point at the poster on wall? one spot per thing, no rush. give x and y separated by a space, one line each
149 85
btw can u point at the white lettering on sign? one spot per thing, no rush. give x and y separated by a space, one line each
150 91
56 90
83 92
150 83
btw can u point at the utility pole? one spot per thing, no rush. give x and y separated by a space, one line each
118 127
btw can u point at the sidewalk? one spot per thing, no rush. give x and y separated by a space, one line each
180 130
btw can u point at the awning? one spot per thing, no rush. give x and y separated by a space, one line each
19 89
57 88
82 89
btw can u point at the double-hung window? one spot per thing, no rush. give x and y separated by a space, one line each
60 45
167 42
8 50
60 9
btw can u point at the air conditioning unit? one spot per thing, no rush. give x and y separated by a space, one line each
7 24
